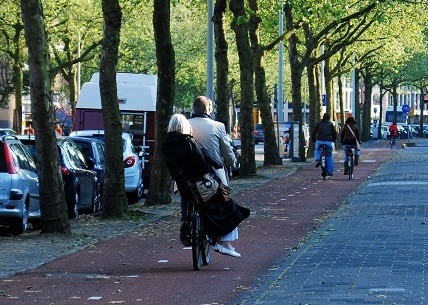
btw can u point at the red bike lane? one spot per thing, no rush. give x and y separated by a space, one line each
149 266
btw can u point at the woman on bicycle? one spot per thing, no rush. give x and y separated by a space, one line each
349 137
184 157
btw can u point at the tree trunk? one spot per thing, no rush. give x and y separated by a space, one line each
328 89
366 122
380 121
159 191
271 150
222 64
248 163
314 105
52 199
395 102
73 91
18 83
357 114
421 116
114 197
18 78
296 78
341 100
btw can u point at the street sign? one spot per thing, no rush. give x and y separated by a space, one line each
405 108
324 100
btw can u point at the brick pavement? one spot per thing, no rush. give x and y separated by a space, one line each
373 250
149 266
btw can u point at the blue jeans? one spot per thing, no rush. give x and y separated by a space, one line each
329 158
345 150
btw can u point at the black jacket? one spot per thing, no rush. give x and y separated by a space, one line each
186 156
186 163
324 131
346 136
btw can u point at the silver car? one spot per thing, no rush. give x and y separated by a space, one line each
19 185
133 163
7 131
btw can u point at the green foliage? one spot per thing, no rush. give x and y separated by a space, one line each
68 22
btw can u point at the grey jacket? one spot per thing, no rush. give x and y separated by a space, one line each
212 135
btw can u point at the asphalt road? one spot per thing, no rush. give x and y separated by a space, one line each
149 266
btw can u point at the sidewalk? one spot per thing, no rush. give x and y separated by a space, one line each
149 266
372 250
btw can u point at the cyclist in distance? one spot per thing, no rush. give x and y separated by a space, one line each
393 130
325 133
349 137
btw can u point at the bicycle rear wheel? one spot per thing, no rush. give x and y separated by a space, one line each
195 227
323 163
351 166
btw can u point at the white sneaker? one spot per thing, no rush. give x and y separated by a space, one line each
226 251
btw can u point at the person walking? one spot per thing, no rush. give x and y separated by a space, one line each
184 157
324 133
58 130
212 136
30 130
349 137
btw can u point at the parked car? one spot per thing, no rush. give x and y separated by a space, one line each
384 131
133 161
425 132
259 133
411 130
81 185
19 185
93 150
7 131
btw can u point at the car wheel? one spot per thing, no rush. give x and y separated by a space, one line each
21 223
136 195
96 204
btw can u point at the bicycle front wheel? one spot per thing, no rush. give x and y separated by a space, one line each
207 246
195 226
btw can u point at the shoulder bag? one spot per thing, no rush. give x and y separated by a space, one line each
356 140
207 188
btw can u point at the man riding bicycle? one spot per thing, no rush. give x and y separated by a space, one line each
324 134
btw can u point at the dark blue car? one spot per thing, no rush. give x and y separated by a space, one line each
93 150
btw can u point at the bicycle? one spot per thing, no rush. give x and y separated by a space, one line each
349 162
392 141
202 244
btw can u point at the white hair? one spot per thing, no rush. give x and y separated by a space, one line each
179 123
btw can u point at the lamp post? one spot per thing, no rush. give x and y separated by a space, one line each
375 128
